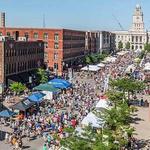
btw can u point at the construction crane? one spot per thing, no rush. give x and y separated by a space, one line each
121 27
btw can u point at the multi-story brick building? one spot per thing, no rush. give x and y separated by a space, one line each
62 46
17 57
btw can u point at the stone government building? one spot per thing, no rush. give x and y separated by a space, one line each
137 36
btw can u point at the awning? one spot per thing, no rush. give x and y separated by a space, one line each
23 105
60 83
46 87
6 113
36 97
93 68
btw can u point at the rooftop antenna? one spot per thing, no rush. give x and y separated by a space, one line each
121 27
44 21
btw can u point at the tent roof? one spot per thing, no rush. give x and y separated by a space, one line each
6 113
101 65
23 105
46 87
93 120
60 83
36 97
91 68
102 104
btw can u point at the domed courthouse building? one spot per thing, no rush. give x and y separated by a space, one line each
137 36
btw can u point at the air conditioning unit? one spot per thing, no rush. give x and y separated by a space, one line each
22 39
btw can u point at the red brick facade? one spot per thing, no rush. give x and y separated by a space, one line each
61 45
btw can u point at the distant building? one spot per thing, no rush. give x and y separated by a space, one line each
19 58
99 41
2 19
137 36
63 47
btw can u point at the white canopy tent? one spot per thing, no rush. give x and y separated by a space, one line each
129 68
102 104
48 95
110 59
93 120
101 65
122 53
93 68
147 67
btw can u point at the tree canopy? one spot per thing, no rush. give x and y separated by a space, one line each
120 45
42 75
17 87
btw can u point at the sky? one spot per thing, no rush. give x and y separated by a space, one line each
73 14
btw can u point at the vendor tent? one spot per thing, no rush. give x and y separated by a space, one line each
23 105
130 69
36 97
60 83
47 87
122 53
6 113
147 67
102 104
93 68
101 65
93 120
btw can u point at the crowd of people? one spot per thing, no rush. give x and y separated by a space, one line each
68 109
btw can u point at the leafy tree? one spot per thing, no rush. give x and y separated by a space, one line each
127 85
147 47
88 60
115 97
128 45
120 45
17 87
42 75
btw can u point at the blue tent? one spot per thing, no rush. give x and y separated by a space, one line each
60 83
6 113
36 97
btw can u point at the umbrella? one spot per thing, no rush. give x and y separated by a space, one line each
7 113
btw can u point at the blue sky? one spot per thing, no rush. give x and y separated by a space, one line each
74 14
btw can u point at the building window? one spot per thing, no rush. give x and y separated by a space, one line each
46 44
55 66
26 34
55 56
56 37
56 45
136 38
132 38
35 36
45 36
140 38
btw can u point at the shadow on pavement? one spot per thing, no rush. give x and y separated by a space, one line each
2 135
136 120
25 147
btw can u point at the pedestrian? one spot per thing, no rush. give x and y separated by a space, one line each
6 137
45 147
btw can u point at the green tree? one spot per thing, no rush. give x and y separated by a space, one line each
147 47
17 87
87 60
128 45
120 45
42 75
127 85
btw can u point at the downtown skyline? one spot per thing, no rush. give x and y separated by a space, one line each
83 15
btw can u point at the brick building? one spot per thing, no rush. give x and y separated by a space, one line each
19 57
62 46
